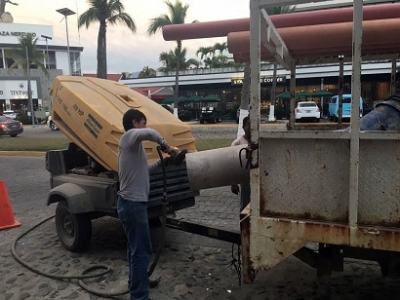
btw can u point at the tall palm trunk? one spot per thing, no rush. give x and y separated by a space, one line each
178 66
2 7
245 100
271 116
101 51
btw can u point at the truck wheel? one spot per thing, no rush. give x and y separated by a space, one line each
74 230
201 121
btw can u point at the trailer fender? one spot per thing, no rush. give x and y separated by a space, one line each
77 198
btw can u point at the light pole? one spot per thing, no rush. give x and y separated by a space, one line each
28 72
47 49
67 12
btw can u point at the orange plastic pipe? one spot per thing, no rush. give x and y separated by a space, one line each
222 28
394 48
327 38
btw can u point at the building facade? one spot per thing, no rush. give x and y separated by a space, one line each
227 83
14 82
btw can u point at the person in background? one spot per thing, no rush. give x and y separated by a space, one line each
134 178
244 189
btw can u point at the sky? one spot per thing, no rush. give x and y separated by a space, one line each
126 51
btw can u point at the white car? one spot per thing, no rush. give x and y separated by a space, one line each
307 110
10 114
51 124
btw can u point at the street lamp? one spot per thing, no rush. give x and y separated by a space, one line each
28 72
67 12
47 49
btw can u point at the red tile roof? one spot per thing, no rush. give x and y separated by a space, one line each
114 77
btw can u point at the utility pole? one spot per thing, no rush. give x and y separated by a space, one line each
28 71
67 12
47 49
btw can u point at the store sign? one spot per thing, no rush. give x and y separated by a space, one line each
265 79
17 89
11 32
15 33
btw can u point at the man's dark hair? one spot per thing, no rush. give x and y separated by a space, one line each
246 120
130 116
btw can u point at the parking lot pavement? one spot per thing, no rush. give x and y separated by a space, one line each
184 266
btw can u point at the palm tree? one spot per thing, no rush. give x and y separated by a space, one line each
221 47
177 15
147 72
170 61
3 5
205 53
105 12
276 11
27 48
24 57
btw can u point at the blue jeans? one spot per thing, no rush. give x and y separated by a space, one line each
133 216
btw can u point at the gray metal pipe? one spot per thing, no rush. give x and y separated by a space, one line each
217 167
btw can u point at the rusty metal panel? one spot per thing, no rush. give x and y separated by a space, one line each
379 183
273 240
304 179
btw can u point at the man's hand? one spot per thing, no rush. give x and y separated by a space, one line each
167 160
235 189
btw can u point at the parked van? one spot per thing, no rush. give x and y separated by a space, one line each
346 107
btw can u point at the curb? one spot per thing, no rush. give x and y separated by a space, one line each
23 153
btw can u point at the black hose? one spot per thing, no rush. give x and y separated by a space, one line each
106 269
80 278
164 213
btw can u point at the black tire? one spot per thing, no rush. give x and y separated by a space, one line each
74 230
201 121
13 135
317 120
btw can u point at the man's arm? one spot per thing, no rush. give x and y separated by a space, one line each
148 134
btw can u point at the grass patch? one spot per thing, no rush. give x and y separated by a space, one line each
208 144
32 144
45 144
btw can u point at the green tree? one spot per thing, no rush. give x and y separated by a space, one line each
205 53
170 61
276 11
176 15
3 5
211 60
105 12
27 45
147 72
221 47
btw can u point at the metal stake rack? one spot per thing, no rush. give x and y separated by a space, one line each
339 189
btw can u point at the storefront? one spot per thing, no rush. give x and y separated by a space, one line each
14 94
228 85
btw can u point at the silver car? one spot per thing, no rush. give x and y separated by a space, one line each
10 127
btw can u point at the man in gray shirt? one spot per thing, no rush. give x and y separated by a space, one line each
134 173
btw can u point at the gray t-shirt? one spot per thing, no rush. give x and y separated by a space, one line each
133 170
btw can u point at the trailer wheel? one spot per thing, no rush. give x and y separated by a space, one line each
74 230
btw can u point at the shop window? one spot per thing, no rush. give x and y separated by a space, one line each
51 60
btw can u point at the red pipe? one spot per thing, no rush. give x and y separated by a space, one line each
222 28
327 38
392 48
